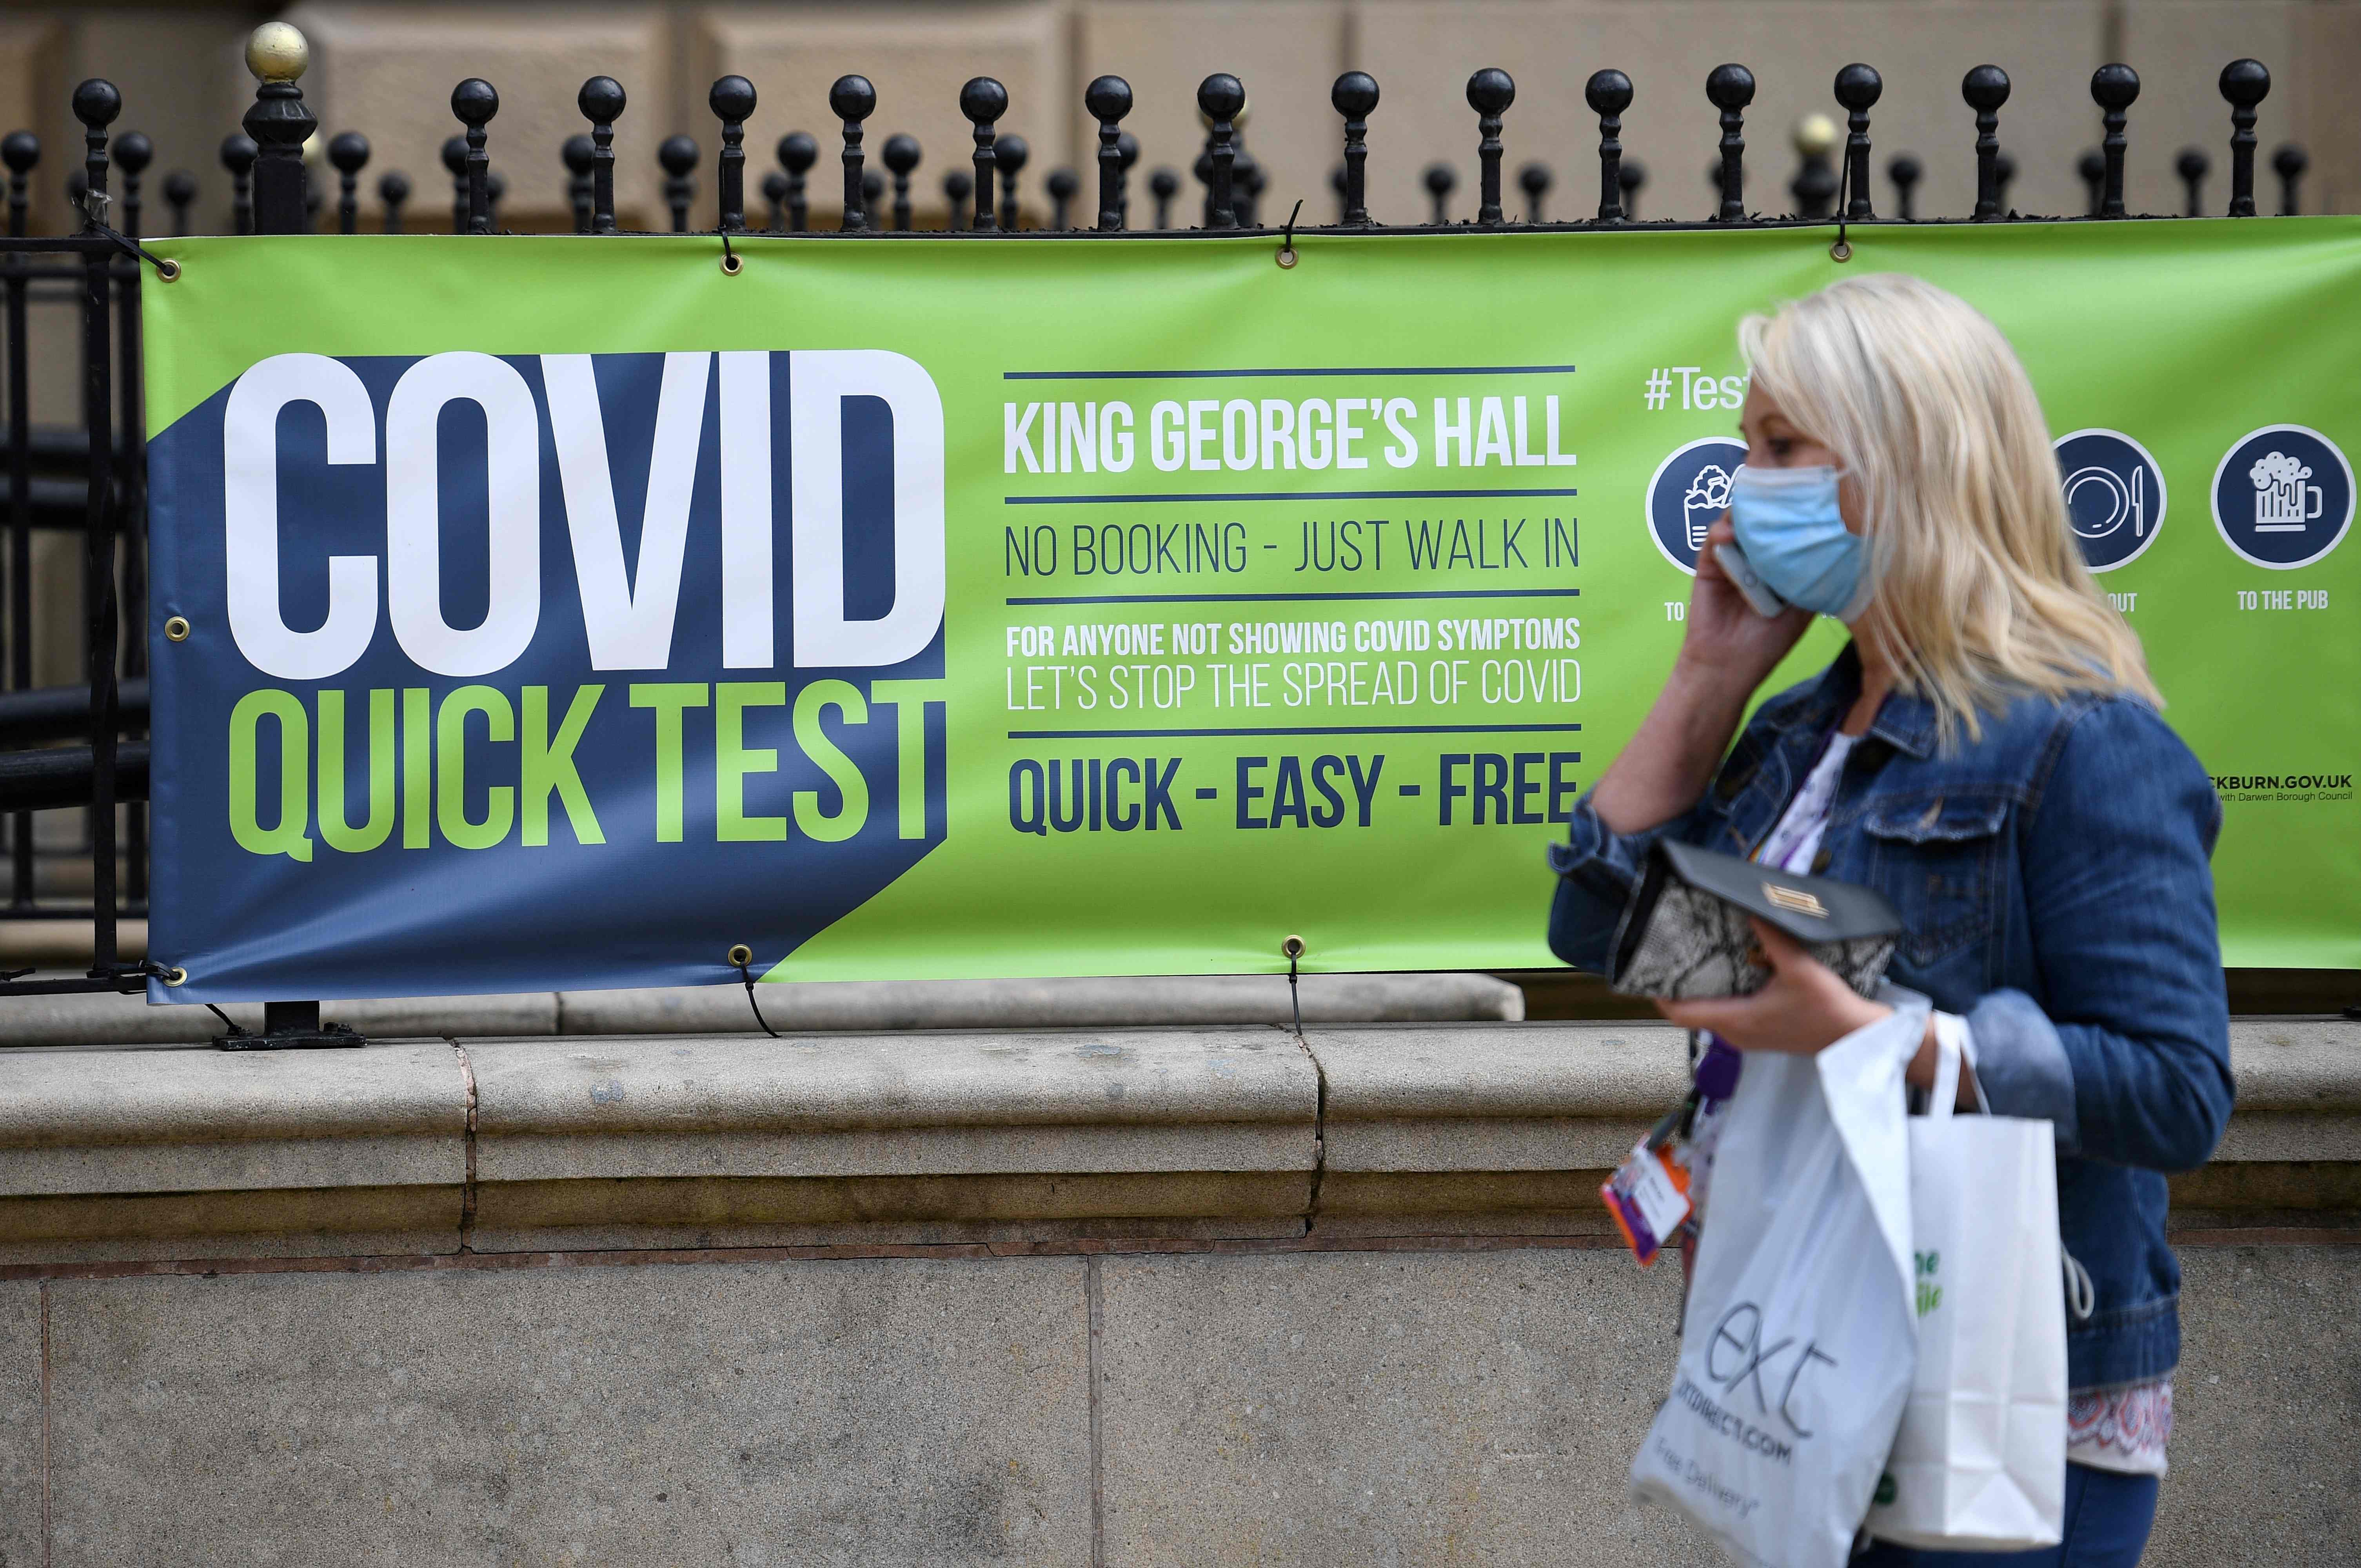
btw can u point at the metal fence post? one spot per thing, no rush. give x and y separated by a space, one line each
1490 92
21 150
95 104
1857 88
1608 94
1108 99
280 123
1731 88
2245 83
732 99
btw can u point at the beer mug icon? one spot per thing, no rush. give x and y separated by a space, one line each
2283 502
1706 500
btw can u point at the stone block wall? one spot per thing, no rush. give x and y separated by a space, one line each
1104 1297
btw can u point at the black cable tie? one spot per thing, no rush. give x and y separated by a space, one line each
729 262
1842 249
228 1022
165 268
747 975
1287 241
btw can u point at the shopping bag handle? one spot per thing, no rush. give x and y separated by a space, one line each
1954 1048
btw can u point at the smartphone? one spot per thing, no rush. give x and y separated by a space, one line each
1750 582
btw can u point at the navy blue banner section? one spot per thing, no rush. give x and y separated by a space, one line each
476 642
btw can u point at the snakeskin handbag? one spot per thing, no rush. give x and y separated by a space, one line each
1684 935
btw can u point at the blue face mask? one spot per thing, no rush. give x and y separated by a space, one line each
1788 524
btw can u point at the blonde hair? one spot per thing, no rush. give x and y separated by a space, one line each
1980 591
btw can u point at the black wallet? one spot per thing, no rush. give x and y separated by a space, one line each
1684 935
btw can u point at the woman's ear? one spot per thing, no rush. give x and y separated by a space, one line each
1852 501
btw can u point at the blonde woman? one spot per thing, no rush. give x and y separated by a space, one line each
1988 754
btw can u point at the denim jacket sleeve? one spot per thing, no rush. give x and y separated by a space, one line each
1597 869
2128 1052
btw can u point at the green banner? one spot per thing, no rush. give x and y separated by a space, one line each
567 611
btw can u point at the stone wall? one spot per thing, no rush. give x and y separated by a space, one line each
1088 1297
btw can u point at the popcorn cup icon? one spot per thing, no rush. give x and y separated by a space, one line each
1707 499
2283 502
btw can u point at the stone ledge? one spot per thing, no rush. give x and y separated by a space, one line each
866 1006
817 1139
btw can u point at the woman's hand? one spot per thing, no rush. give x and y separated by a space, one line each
1725 641
1803 1009
1726 651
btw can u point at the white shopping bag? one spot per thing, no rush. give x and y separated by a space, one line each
1980 1461
1796 1345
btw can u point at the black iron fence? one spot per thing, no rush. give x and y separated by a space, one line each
85 746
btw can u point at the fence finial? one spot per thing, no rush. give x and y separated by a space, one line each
2289 163
2093 171
1219 98
20 151
2192 166
1816 186
2244 82
2114 88
797 151
580 159
393 190
1354 96
348 154
958 186
677 155
1731 88
1164 185
901 153
775 195
455 163
1247 182
1009 155
1062 186
982 101
852 100
1985 88
473 104
1440 179
1108 99
1905 172
179 194
280 123
1533 180
133 153
237 156
1629 179
1490 92
601 103
1857 88
1608 94
732 99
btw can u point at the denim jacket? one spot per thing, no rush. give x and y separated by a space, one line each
2053 878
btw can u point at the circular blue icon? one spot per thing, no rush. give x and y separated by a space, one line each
1688 495
2115 495
2283 497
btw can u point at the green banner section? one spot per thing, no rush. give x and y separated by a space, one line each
1273 601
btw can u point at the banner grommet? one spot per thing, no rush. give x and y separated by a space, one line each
177 629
